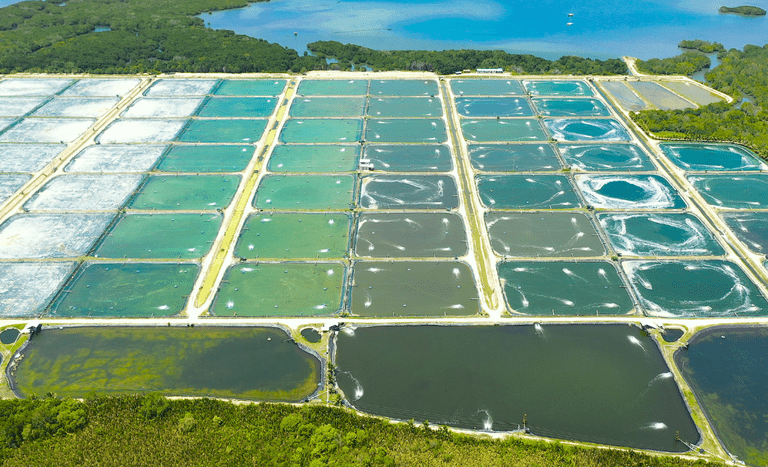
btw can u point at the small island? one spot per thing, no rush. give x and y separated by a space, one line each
744 10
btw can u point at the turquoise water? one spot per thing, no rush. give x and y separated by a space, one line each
409 192
322 131
404 87
493 107
598 129
486 87
223 131
733 191
409 157
200 158
527 192
404 107
186 192
238 107
659 234
513 157
750 227
676 289
712 157
320 87
250 87
629 192
571 108
543 234
328 107
600 29
595 157
564 288
557 88
503 130
305 192
406 130
313 158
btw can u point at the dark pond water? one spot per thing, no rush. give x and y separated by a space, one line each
311 335
9 336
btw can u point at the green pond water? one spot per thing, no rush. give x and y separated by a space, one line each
238 107
197 158
414 235
629 192
280 289
727 368
675 289
409 157
557 88
733 191
322 131
615 157
751 228
9 336
502 130
243 363
486 87
571 108
311 335
671 334
404 87
412 289
605 384
222 131
328 107
126 290
250 87
313 158
409 192
589 130
186 192
543 234
526 192
513 157
712 157
565 288
332 87
493 107
305 192
659 234
294 235
406 130
382 107
184 236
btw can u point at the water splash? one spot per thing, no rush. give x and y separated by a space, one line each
358 392
635 341
654 426
487 421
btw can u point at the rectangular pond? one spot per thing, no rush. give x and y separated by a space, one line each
625 95
93 107
712 157
513 157
250 87
223 131
116 158
305 192
29 286
658 95
542 234
413 289
503 130
629 192
493 107
727 369
86 192
526 192
659 234
486 87
163 107
141 131
750 227
411 234
557 88
302 158
322 131
55 235
238 107
9 184
409 157
19 106
280 289
406 130
569 288
186 192
294 235
46 130
328 107
618 157
206 158
169 236
693 92
588 130
126 290
243 363
605 384
101 87
181 87
733 191
383 107
404 87
674 289
332 87
571 108
27 158
33 87
409 192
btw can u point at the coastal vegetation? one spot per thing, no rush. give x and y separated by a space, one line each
742 74
152 430
684 64
702 46
744 10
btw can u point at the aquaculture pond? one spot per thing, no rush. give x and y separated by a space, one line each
409 157
557 88
404 107
186 192
503 130
328 107
412 234
750 227
545 233
513 157
294 235
406 130
208 158
605 384
527 192
280 289
332 87
590 130
659 234
223 131
303 158
116 158
615 157
243 363
493 107
674 289
624 95
629 192
238 107
571 108
413 288
29 286
303 192
733 191
486 87
9 336
311 335
658 95
713 157
336 130
126 290
409 192
250 87
42 236
404 87
727 368
550 288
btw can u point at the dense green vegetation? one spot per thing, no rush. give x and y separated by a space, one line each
150 430
451 61
744 10
686 63
702 46
741 73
